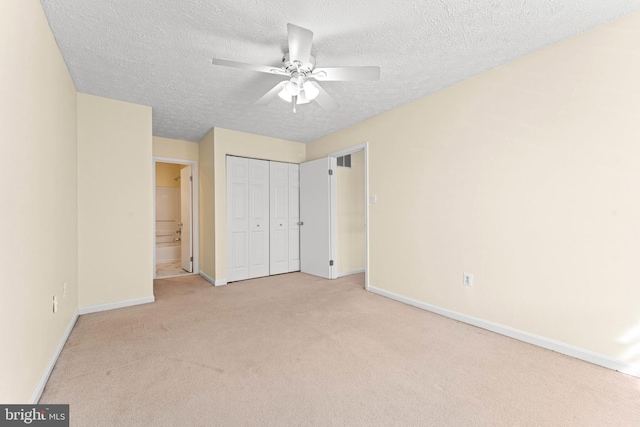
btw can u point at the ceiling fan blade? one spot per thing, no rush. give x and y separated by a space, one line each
323 99
335 74
299 43
242 65
271 95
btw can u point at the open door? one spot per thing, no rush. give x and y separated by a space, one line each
317 217
186 218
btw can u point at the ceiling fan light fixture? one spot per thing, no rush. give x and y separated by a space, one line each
310 91
284 95
287 97
293 87
302 98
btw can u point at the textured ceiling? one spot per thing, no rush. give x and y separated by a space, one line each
158 53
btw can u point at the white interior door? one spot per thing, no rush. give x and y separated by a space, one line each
186 218
258 218
279 217
317 185
294 217
237 218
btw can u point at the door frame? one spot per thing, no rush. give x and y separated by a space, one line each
195 214
334 231
186 189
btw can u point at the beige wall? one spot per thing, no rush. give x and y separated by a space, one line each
244 145
115 211
166 174
207 206
350 215
526 176
38 215
175 148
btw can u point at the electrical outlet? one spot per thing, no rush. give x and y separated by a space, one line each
467 279
64 290
374 198
55 304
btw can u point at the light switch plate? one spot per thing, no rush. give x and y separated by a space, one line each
467 279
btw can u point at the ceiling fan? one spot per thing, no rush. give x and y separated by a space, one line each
299 67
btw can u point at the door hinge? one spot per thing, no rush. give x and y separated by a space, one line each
331 263
191 178
191 259
330 171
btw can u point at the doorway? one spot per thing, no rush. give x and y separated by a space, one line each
350 235
176 218
350 222
332 247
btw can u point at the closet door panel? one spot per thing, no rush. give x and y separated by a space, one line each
237 218
294 218
258 218
278 209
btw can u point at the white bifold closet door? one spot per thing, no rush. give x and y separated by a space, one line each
279 218
247 218
284 211
294 217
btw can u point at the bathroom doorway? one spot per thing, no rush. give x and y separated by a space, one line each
175 249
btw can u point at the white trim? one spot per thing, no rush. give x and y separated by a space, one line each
550 344
207 278
174 160
366 215
35 397
195 208
115 305
213 282
348 273
333 218
350 150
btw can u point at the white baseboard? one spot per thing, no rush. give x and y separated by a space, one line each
114 305
213 282
348 273
550 344
207 278
35 397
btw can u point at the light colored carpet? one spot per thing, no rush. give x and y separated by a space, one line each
296 350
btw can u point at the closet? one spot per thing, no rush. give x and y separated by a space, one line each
263 218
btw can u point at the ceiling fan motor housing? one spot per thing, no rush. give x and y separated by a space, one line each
298 67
